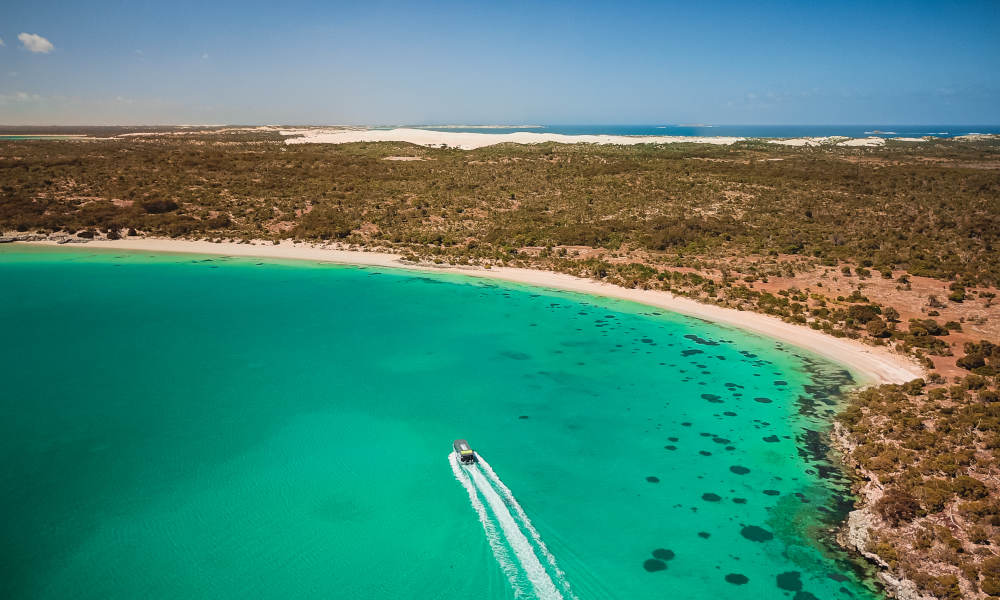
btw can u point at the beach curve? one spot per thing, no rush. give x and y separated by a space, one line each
871 364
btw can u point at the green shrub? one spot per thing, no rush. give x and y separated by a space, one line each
897 506
944 587
157 207
933 495
969 488
914 387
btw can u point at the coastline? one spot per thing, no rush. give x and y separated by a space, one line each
803 431
870 364
854 533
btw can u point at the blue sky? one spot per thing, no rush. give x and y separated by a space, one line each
500 62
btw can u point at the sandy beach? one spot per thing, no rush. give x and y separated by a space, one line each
871 364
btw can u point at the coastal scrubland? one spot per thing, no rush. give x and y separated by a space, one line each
897 246
930 209
927 454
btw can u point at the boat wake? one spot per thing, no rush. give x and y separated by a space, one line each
517 546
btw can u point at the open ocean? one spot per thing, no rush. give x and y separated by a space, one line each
181 426
752 131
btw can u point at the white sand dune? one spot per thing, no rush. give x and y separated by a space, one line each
808 141
471 141
868 141
871 364
836 141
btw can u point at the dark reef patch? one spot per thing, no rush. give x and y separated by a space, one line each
653 479
652 565
712 398
737 578
772 439
699 340
663 554
710 497
790 581
826 388
756 534
739 470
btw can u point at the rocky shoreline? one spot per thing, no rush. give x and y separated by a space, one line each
35 237
855 533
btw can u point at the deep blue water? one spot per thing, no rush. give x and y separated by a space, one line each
765 131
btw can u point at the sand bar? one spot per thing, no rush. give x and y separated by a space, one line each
873 365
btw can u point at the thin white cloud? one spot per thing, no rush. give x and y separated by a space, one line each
19 97
35 43
1 42
204 56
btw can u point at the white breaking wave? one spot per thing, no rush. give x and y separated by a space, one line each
537 575
527 525
496 544
476 483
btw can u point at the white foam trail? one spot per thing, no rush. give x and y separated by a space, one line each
496 544
545 589
564 584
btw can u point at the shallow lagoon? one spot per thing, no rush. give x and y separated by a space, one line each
189 426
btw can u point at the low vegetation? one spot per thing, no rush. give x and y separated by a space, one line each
931 211
927 451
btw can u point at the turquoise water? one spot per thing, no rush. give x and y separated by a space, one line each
179 426
751 131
